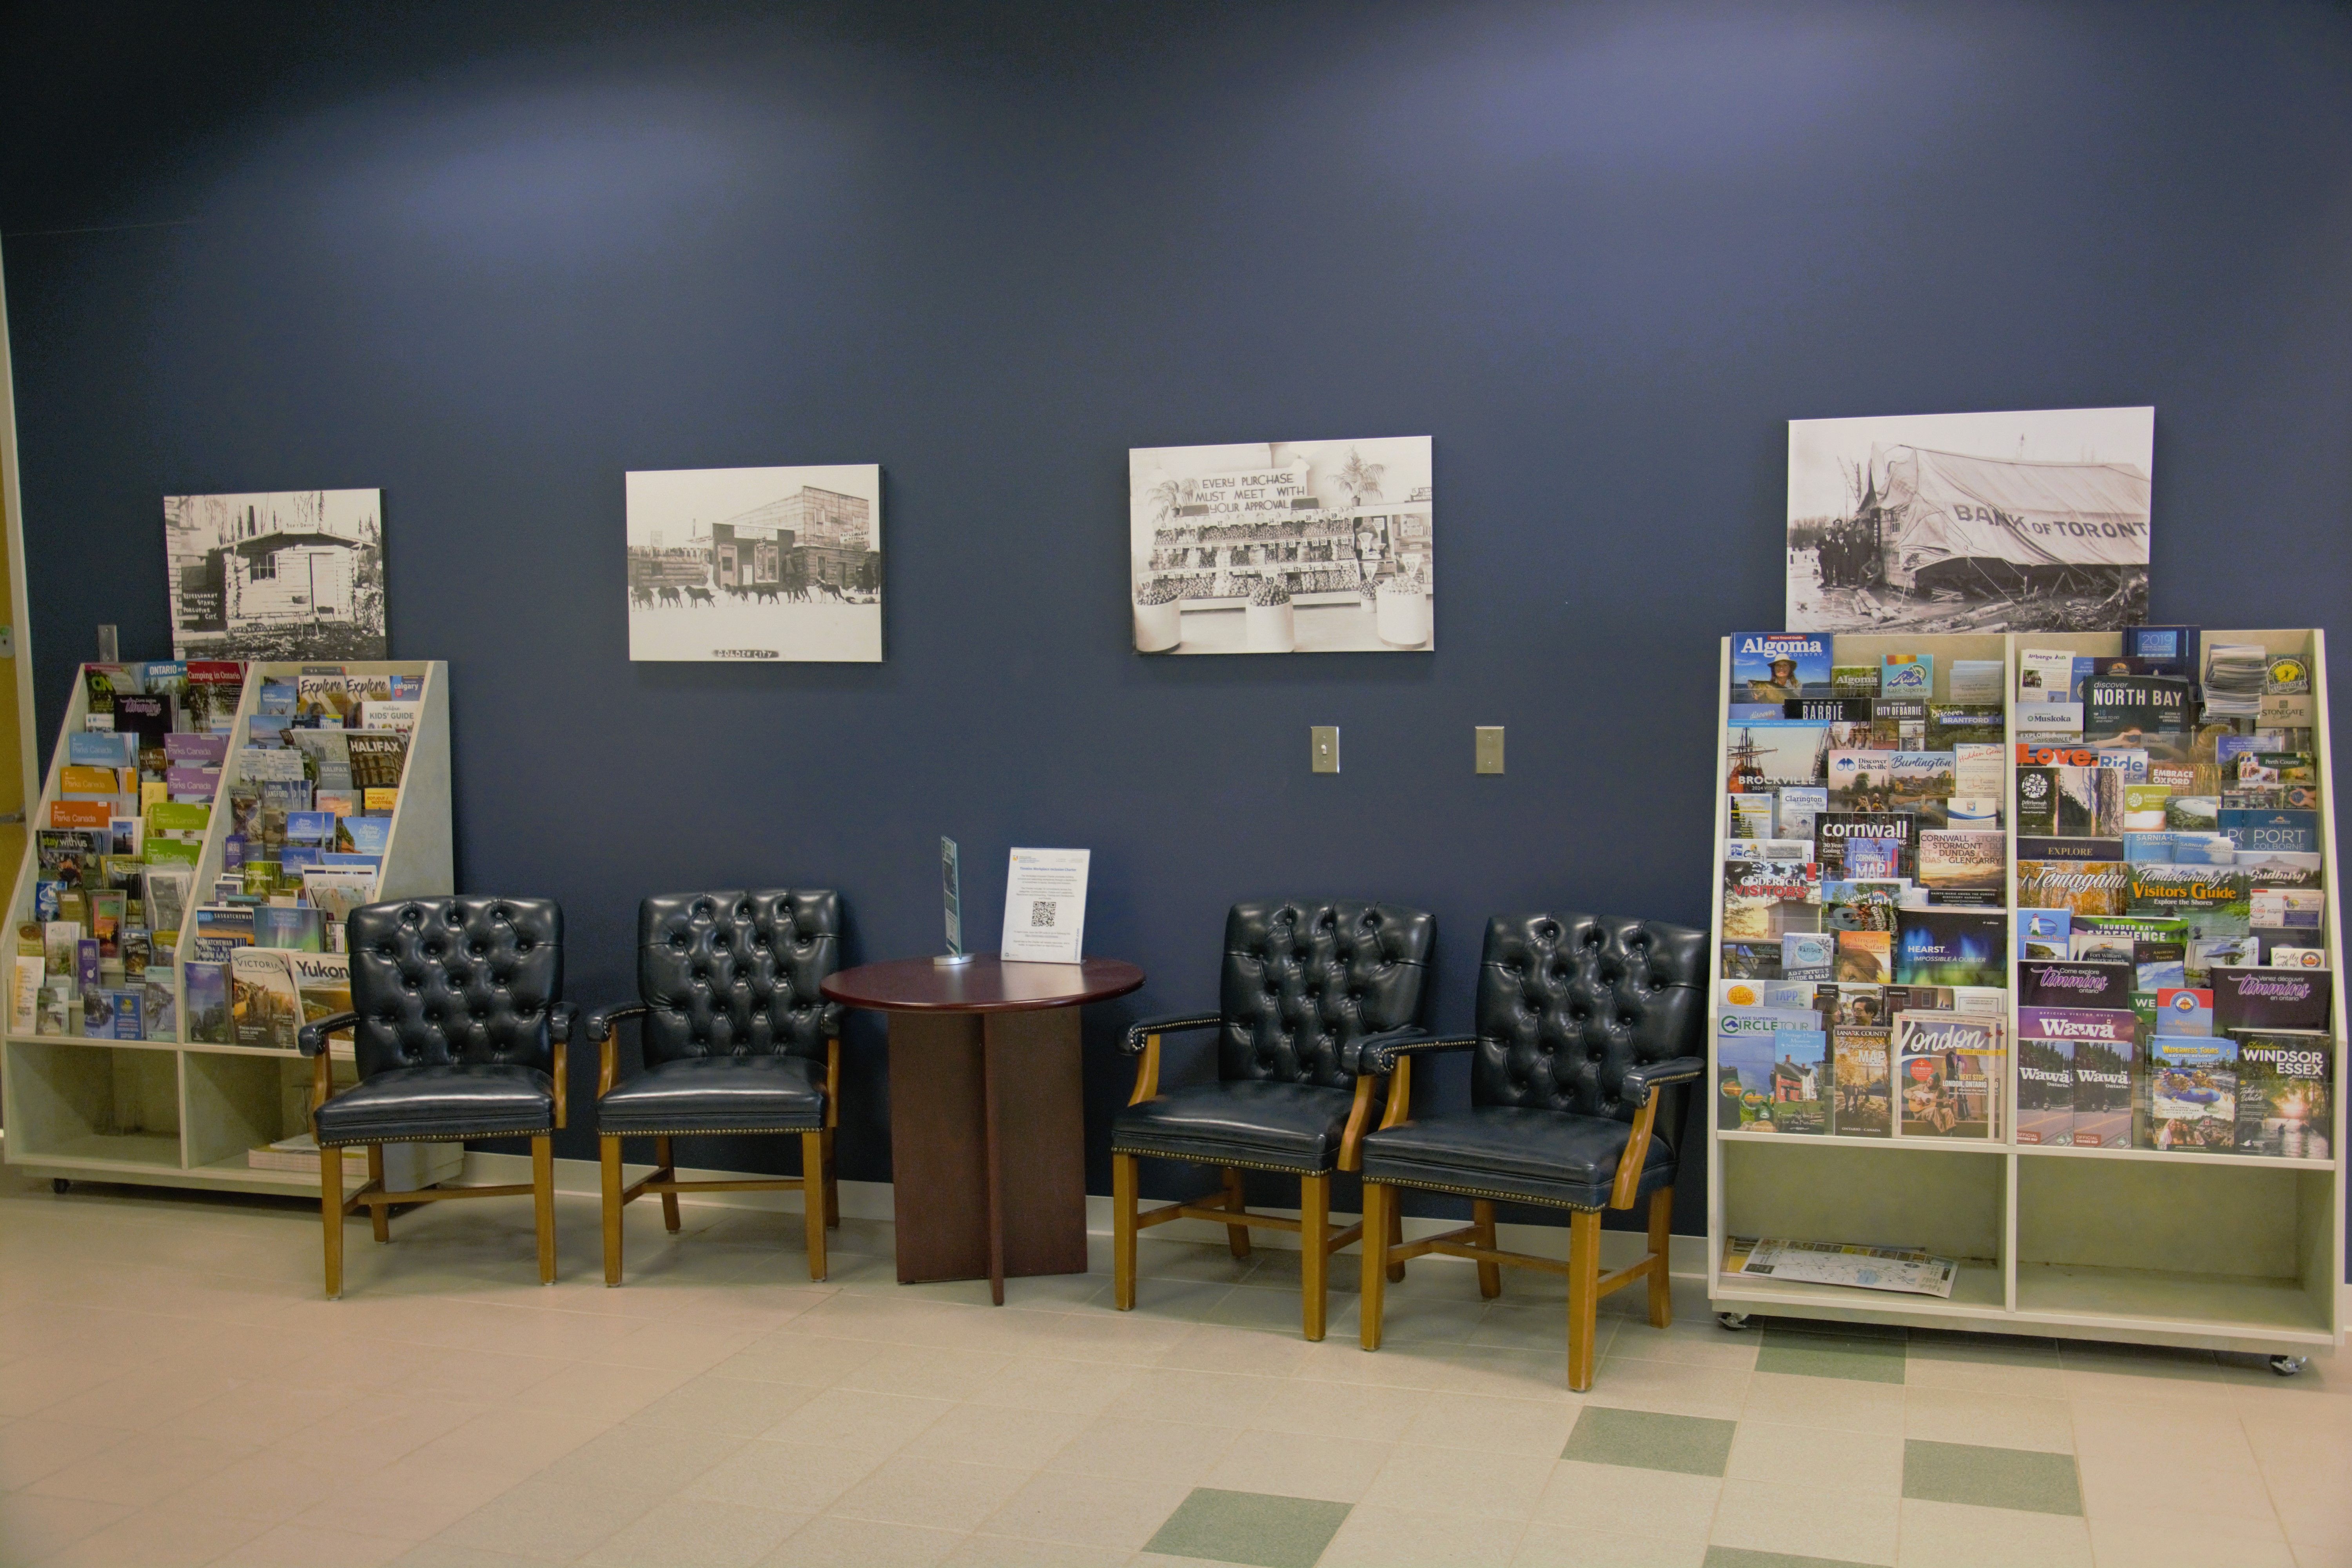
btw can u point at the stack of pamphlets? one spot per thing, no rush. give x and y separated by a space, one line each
116 851
1902 1268
1865 938
2169 878
312 797
2177 814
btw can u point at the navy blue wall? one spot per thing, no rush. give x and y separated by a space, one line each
1601 252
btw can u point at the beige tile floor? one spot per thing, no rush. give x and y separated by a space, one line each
174 1391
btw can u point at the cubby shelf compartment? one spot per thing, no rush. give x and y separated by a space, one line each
2216 1251
2193 1305
88 1105
180 1112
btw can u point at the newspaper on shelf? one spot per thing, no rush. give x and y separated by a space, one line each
1906 1269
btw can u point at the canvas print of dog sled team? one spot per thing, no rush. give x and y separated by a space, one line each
756 563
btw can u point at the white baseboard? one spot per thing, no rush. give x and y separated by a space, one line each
872 1201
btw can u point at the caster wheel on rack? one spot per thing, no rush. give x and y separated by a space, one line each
2288 1365
1733 1321
59 1185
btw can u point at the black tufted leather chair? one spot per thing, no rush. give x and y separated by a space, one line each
736 1038
1305 986
1584 1022
459 1031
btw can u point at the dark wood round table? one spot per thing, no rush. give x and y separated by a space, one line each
987 1119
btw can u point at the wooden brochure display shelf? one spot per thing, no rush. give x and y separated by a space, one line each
184 1113
2234 1252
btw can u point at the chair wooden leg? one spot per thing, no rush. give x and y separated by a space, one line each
667 1162
608 1154
379 1215
813 1199
1122 1232
1377 1199
832 1184
1238 1235
1314 1250
542 1202
330 1209
1490 1275
1661 1235
1395 1211
1583 1295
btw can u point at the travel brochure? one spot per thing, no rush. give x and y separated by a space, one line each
2170 866
1865 937
115 850
310 796
309 793
1905 1269
2169 918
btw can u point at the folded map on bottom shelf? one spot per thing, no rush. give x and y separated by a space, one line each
407 1167
1906 1269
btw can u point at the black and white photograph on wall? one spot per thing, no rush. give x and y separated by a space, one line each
756 563
1971 522
1282 547
276 574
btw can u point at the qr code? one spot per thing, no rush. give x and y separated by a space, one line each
1041 914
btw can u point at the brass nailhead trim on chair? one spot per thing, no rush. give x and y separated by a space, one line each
702 1131
436 1138
1221 1160
1490 1192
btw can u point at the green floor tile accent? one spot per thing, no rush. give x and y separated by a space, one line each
1644 1440
1249 1527
1835 1330
1740 1557
1865 1358
1991 1478
1989 1350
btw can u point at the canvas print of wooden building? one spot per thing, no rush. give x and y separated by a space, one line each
756 563
276 574
1283 547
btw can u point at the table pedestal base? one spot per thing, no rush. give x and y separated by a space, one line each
987 1145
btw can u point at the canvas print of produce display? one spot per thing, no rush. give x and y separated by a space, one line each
1283 547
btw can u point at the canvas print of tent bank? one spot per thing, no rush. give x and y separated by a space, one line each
281 575
1282 547
756 563
1957 522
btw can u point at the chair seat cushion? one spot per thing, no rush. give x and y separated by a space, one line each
1239 1121
1514 1152
448 1099
718 1094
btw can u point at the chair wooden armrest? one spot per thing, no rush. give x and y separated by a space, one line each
603 1027
1143 1041
1650 1081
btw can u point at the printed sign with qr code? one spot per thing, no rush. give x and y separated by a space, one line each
1045 906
